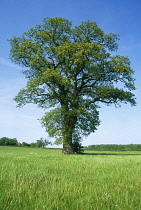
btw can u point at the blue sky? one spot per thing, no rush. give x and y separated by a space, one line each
118 126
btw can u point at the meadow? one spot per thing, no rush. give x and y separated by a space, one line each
38 179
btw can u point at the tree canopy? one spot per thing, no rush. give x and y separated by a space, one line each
71 71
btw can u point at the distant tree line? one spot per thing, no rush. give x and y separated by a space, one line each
114 147
5 141
39 143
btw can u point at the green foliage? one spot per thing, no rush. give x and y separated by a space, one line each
114 147
42 142
39 143
72 71
5 141
25 144
77 147
33 144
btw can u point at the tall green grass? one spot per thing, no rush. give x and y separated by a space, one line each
36 179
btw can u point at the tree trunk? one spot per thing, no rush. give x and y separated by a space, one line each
67 149
67 139
68 130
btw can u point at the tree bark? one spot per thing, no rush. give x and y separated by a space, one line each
67 149
68 130
67 138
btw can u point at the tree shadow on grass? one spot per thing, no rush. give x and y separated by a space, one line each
106 153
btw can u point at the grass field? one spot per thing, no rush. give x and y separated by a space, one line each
36 179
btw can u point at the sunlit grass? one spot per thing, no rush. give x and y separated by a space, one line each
34 178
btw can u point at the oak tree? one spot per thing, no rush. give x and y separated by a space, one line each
70 71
